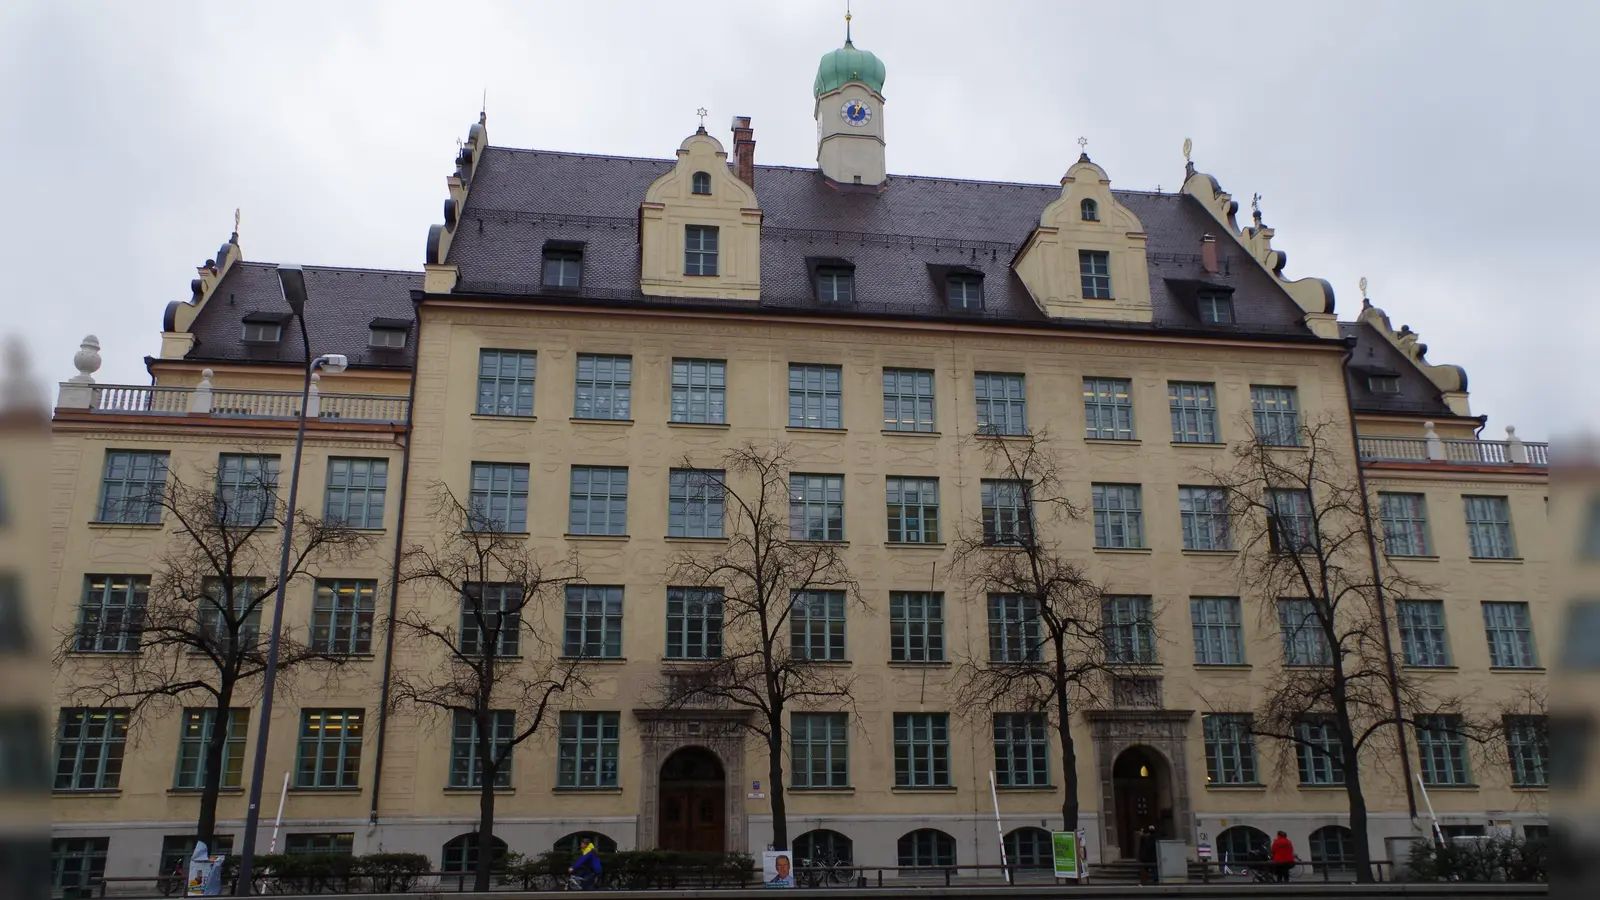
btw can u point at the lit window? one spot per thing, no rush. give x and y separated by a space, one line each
1276 415
330 749
1108 409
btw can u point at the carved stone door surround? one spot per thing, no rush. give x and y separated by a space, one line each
664 732
1162 730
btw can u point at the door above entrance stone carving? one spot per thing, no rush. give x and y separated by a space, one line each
688 803
1126 741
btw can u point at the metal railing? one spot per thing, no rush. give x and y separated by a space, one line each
1455 450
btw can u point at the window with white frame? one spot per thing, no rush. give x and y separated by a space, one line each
964 290
1094 269
836 284
1216 308
563 268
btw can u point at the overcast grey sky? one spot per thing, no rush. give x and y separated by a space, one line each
1433 147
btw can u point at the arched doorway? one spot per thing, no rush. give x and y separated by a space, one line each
1142 788
693 802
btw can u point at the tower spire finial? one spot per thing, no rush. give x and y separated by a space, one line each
847 22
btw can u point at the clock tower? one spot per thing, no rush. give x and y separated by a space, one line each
849 92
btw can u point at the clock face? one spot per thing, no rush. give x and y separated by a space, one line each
855 113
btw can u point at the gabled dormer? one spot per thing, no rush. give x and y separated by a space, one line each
1086 258
700 228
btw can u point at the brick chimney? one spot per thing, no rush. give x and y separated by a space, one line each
744 150
1208 255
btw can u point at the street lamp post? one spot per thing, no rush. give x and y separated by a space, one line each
293 281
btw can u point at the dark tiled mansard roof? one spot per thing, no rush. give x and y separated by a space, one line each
519 199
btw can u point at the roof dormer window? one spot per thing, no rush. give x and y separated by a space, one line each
387 334
563 266
262 328
836 284
700 183
1216 308
964 290
1090 210
1383 384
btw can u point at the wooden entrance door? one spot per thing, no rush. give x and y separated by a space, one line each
1136 786
693 803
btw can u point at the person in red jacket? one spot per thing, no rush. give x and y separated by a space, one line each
1282 856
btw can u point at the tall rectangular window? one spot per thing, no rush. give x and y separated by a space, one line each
816 507
112 613
913 505
499 498
133 486
594 621
466 759
1006 518
1118 516
89 745
355 492
1489 528
1317 751
1292 522
505 382
590 745
1094 267
76 864
700 391
1216 308
1014 635
836 284
320 843
605 387
341 616
1129 627
1304 642
1194 412
1405 524
1203 513
694 623
1218 631
816 625
819 750
1108 409
1422 633
1021 750
330 748
816 396
921 750
247 489
908 400
491 616
695 503
916 626
1510 633
1230 748
236 616
1442 751
563 268
1275 412
1002 403
599 500
1528 743
699 250
195 733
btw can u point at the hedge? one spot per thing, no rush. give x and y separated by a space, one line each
1493 859
635 869
341 873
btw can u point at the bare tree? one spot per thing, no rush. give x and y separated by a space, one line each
195 637
1050 647
1338 705
489 658
774 564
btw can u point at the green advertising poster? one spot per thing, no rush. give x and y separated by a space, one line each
1065 844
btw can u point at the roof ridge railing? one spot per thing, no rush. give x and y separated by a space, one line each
234 403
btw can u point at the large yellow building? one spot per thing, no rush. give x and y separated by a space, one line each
583 326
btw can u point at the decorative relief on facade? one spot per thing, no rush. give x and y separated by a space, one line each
1163 731
664 732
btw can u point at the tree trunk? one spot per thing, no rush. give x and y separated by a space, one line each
1352 783
1069 750
780 821
485 867
211 784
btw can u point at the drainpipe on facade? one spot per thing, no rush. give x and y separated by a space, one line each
394 584
1377 586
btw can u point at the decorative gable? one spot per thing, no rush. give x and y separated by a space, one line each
700 228
1086 259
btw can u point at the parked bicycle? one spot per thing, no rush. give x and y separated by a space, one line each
825 871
